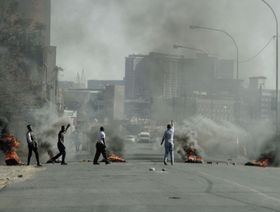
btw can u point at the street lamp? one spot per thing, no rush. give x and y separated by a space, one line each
231 37
237 63
276 36
191 48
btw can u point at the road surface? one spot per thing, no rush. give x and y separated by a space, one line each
131 186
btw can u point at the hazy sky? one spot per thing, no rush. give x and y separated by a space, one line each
97 35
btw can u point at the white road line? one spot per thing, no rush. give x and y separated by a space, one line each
243 186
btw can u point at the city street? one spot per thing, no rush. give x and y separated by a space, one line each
137 81
132 186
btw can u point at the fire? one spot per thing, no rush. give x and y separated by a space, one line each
261 163
192 155
113 157
11 144
264 161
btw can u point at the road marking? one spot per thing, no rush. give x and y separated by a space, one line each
243 186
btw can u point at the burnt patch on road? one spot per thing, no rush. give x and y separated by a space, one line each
174 197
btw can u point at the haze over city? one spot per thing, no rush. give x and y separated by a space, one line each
139 105
99 34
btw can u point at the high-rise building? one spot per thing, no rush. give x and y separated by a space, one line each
114 102
152 75
131 66
161 78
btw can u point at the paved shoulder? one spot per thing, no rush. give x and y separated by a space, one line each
12 174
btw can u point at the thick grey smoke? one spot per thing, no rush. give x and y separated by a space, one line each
224 140
99 34
20 83
46 124
114 140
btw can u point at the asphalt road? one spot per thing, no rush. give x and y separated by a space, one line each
131 186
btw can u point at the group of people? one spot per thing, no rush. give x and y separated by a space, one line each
100 145
33 146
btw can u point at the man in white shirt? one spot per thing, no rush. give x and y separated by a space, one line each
32 145
100 147
168 143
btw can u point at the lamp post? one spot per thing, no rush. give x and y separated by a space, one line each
237 63
175 46
230 36
276 36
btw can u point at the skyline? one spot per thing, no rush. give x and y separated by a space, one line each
99 43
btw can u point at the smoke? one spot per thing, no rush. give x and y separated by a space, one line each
114 141
21 58
4 125
4 129
114 29
224 140
46 124
5 146
266 145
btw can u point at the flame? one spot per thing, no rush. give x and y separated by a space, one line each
11 155
115 158
261 162
192 155
13 144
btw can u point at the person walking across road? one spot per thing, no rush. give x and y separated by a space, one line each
60 145
168 143
32 145
100 147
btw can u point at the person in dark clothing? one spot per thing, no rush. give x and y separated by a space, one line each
32 145
60 145
100 147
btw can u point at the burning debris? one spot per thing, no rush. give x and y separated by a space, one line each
9 144
192 155
113 157
188 148
260 162
115 143
269 155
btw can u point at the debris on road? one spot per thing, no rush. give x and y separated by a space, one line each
9 145
10 174
113 157
192 155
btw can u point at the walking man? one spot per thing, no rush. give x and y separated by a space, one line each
32 145
100 147
168 143
60 145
